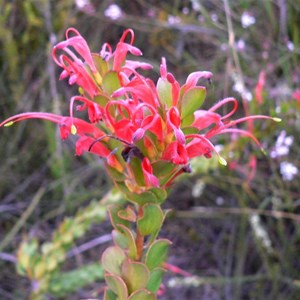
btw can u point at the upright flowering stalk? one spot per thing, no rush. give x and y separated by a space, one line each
147 133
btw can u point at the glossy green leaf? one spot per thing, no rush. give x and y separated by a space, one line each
151 220
111 82
160 194
157 253
155 280
115 220
127 214
137 170
154 195
132 250
162 168
142 295
135 275
117 285
187 121
112 259
192 100
154 235
164 90
120 239
151 196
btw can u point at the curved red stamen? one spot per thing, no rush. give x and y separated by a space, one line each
244 119
242 132
224 102
124 35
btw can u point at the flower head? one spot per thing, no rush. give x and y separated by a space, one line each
146 132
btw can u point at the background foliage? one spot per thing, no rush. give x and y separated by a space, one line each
238 234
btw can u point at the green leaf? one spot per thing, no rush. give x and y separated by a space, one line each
157 253
109 295
111 82
155 279
154 195
192 100
112 259
115 220
137 170
151 220
114 174
101 100
160 194
154 235
135 275
132 250
127 214
117 285
120 239
100 63
164 90
162 168
190 130
142 295
187 121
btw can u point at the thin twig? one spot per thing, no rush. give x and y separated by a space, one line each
89 245
27 213
213 211
8 257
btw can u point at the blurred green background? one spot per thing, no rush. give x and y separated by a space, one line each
235 228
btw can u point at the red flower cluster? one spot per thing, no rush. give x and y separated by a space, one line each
146 132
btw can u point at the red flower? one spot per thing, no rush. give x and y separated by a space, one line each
176 153
150 179
81 47
174 122
134 123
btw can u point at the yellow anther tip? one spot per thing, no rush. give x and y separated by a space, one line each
81 90
8 124
263 151
222 161
277 119
73 129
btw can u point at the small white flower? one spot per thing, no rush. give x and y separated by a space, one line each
241 89
220 200
282 145
113 12
82 3
185 10
247 20
214 18
85 6
196 5
173 19
241 45
290 45
288 171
